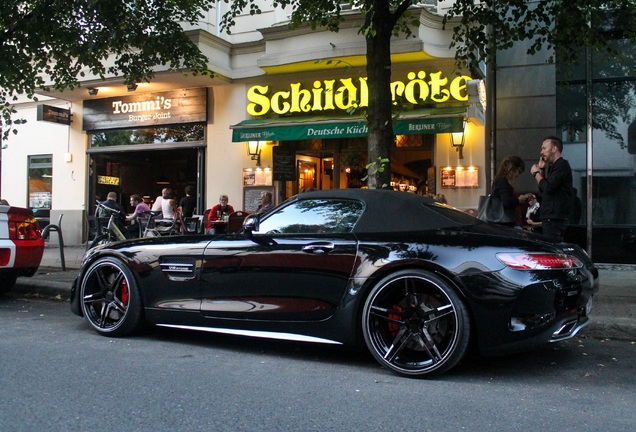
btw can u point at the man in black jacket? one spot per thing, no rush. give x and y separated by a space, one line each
555 186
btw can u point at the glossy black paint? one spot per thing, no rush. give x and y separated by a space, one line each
313 285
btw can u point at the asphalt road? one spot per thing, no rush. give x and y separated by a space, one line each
58 375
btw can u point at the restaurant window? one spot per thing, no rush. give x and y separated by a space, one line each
40 182
150 135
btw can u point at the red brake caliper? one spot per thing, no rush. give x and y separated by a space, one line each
124 292
394 327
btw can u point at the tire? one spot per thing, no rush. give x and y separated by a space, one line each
110 299
415 324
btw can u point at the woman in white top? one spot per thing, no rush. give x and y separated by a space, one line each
168 204
156 206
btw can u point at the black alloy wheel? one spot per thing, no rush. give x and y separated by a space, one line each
110 297
415 324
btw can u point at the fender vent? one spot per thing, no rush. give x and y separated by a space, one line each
178 268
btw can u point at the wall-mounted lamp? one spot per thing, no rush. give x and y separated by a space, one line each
131 87
457 140
254 150
92 91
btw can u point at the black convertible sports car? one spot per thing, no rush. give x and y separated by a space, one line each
416 281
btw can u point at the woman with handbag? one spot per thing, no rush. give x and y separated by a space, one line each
509 170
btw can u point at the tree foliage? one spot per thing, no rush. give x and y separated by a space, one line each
566 25
570 31
48 44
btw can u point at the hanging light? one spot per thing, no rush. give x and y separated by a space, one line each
457 140
254 150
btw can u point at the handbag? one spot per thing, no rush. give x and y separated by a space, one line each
491 210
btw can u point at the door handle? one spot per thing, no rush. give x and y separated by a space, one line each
318 248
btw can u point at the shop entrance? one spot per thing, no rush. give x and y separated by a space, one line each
341 164
145 173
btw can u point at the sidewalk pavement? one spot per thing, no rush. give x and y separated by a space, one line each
613 313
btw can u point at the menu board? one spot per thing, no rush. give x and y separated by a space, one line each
456 177
252 197
284 164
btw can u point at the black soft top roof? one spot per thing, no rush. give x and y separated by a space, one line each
390 211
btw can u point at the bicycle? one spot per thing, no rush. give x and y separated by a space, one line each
111 232
158 227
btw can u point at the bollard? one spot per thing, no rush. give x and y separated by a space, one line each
57 228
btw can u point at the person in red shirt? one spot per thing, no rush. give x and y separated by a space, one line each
223 208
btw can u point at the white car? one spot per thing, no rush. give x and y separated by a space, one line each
21 245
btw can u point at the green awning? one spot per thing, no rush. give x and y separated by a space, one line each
321 128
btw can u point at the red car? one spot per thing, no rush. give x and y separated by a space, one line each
21 245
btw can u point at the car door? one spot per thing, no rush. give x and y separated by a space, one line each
295 267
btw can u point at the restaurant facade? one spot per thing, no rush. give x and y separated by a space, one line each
283 113
292 108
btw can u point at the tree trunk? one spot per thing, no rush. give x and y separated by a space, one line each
380 137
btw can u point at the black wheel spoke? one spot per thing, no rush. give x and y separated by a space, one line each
104 314
384 314
399 343
118 305
94 298
435 315
429 345
102 280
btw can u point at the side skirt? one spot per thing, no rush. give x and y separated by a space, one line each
254 333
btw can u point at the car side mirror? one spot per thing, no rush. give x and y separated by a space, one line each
251 223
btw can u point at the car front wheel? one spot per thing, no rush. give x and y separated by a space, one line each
415 324
110 297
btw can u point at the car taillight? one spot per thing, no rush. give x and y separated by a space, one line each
5 256
24 229
539 261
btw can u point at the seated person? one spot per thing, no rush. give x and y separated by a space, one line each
141 211
111 203
266 202
156 206
217 212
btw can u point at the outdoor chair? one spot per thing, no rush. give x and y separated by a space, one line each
235 221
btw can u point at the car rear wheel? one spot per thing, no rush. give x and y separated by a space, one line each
415 324
110 297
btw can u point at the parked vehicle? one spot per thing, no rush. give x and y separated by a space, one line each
21 245
416 281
